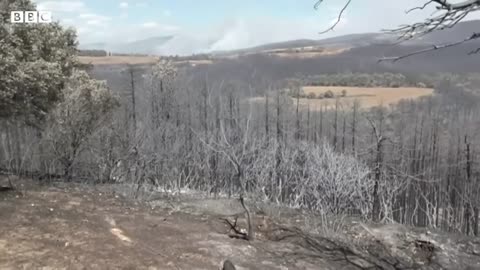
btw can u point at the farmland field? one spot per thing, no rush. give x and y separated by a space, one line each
366 96
117 60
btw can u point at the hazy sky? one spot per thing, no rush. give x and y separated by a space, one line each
231 24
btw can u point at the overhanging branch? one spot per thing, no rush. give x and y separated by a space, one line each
450 15
433 48
339 17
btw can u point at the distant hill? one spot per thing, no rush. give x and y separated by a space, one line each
347 41
362 56
145 46
459 32
453 59
188 44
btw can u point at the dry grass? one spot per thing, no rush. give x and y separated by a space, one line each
118 60
366 96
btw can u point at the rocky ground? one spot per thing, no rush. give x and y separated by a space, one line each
66 226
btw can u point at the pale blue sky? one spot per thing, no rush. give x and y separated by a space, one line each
188 13
234 23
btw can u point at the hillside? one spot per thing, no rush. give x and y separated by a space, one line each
348 41
459 32
158 44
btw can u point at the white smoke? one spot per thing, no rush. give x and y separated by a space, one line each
183 45
236 36
239 34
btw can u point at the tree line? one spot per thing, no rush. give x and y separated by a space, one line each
97 53
362 80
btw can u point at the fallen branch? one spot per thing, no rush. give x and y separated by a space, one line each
233 227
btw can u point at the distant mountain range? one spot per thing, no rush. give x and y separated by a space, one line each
373 44
457 33
161 44
145 46
347 41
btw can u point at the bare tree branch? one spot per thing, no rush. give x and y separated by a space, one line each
433 48
461 5
420 7
450 15
339 18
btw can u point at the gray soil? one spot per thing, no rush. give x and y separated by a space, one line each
80 227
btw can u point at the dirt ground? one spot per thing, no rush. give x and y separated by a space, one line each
67 226
73 227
